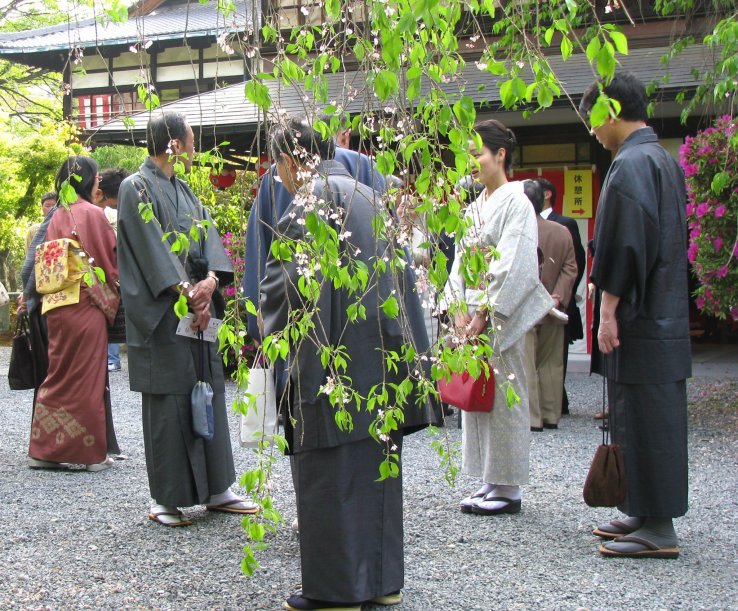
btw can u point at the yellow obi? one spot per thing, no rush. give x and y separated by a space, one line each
59 268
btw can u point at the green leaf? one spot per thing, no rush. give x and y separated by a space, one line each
180 307
548 35
258 93
620 41
413 82
385 84
512 92
333 9
391 47
606 61
600 112
566 47
391 307
545 97
593 48
465 112
719 182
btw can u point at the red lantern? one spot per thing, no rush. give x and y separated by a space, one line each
223 180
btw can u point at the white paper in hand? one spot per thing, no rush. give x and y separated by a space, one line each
185 329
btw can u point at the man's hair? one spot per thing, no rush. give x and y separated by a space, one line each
50 195
534 192
297 138
547 185
496 136
162 129
110 180
80 173
626 88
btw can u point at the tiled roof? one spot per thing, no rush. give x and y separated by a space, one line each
164 23
226 112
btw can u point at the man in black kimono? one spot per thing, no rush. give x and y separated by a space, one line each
163 366
640 271
351 531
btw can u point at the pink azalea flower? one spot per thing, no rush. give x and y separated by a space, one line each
692 252
717 243
722 271
702 210
720 211
699 302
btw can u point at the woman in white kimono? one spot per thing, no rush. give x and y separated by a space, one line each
496 445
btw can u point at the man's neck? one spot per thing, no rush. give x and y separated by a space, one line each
164 163
626 128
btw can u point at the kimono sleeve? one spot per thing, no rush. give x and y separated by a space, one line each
626 239
259 235
218 261
515 274
279 294
140 244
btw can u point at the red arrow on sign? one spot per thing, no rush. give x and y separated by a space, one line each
579 211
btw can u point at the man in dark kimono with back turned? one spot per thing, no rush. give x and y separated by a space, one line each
351 533
642 331
164 367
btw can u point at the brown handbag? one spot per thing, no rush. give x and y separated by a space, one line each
605 482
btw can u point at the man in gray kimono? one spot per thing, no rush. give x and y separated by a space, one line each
642 331
351 531
183 470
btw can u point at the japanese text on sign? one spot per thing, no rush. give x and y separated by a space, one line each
578 193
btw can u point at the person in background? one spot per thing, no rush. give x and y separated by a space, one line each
48 201
511 300
70 423
574 330
641 338
28 301
162 365
351 550
544 350
110 180
272 200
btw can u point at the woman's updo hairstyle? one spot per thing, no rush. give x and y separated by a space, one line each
80 172
297 138
496 136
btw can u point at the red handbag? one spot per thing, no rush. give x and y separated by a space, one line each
468 394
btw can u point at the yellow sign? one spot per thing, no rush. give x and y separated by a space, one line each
578 193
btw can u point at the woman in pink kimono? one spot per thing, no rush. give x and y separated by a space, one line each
69 422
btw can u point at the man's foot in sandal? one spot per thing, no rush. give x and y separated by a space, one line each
618 528
241 506
632 546
168 516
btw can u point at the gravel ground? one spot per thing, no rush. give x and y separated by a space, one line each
82 540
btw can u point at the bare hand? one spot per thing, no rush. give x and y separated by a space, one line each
21 304
607 336
557 300
478 324
199 298
461 322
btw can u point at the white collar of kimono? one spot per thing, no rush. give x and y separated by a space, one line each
509 189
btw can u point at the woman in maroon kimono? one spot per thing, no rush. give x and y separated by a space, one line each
70 423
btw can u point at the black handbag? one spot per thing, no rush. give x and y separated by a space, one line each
21 371
605 485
